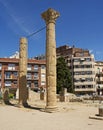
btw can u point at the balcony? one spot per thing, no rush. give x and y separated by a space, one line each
85 89
84 83
84 62
83 69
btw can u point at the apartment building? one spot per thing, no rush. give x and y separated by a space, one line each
9 68
99 77
82 68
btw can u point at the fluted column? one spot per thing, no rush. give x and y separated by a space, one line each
50 17
23 92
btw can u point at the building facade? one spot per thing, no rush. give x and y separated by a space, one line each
9 68
99 77
87 74
82 68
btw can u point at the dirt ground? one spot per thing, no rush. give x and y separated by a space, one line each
69 116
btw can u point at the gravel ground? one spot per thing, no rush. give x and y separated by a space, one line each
69 116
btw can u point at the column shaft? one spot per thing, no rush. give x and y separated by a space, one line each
51 65
23 92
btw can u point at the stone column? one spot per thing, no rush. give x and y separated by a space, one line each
50 17
23 91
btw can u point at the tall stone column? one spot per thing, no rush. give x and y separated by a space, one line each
50 17
23 91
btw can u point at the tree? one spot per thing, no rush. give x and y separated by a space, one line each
64 79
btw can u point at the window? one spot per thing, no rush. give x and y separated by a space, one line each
82 59
36 67
0 66
0 75
77 87
42 82
89 72
88 66
76 80
43 75
76 60
11 66
77 73
7 83
28 83
88 59
15 74
89 79
29 76
90 86
82 79
29 67
82 72
15 82
8 75
76 66
83 86
42 66
36 83
36 75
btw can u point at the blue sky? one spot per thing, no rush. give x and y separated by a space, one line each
80 24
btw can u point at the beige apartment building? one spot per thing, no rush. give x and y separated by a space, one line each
82 68
99 76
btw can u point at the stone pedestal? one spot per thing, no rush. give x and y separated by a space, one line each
50 17
101 111
63 95
41 94
23 91
6 96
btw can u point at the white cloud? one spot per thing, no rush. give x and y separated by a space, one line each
91 51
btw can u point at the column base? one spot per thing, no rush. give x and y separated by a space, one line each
20 104
101 111
51 109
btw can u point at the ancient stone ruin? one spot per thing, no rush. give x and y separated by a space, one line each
23 90
50 17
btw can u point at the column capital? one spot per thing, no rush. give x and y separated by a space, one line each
50 16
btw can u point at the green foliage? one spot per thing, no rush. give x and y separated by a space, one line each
11 95
0 97
64 79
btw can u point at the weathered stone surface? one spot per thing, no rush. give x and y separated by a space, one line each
50 17
6 96
23 91
63 95
41 93
101 111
